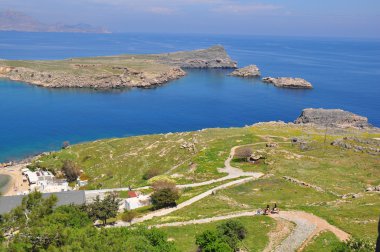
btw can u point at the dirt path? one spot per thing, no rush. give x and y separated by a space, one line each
282 230
232 173
166 211
306 227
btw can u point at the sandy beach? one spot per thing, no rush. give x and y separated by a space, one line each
16 183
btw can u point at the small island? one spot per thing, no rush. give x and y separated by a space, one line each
288 82
247 72
121 71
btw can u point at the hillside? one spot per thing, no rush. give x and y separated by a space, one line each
303 170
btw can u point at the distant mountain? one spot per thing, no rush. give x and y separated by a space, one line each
19 21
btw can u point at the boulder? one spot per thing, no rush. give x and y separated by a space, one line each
246 72
373 189
272 145
287 82
332 118
257 155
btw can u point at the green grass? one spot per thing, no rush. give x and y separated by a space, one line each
258 227
249 197
122 162
190 192
324 242
358 217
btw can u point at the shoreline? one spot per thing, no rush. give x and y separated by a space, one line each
6 181
15 183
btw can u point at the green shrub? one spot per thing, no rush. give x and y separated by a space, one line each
128 216
355 245
165 197
226 237
153 172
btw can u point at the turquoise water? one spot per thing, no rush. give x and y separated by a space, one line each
345 74
4 179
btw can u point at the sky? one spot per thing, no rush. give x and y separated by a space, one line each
329 18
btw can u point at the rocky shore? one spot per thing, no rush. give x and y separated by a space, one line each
332 118
114 71
288 82
247 72
57 79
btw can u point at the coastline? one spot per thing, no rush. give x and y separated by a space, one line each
15 183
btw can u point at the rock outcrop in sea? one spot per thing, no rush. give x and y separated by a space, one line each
247 72
288 82
332 118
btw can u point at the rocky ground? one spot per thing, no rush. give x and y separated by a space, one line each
332 118
114 71
288 82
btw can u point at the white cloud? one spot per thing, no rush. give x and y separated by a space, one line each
246 8
166 7
161 10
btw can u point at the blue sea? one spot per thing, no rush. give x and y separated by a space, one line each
345 74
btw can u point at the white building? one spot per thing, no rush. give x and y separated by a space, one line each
81 183
137 201
32 177
45 182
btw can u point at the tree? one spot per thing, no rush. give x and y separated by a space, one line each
138 243
68 228
69 216
71 170
243 152
165 193
227 237
128 216
165 197
32 209
103 209
211 241
233 232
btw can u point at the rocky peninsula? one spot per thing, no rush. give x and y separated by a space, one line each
288 82
121 71
332 118
247 72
